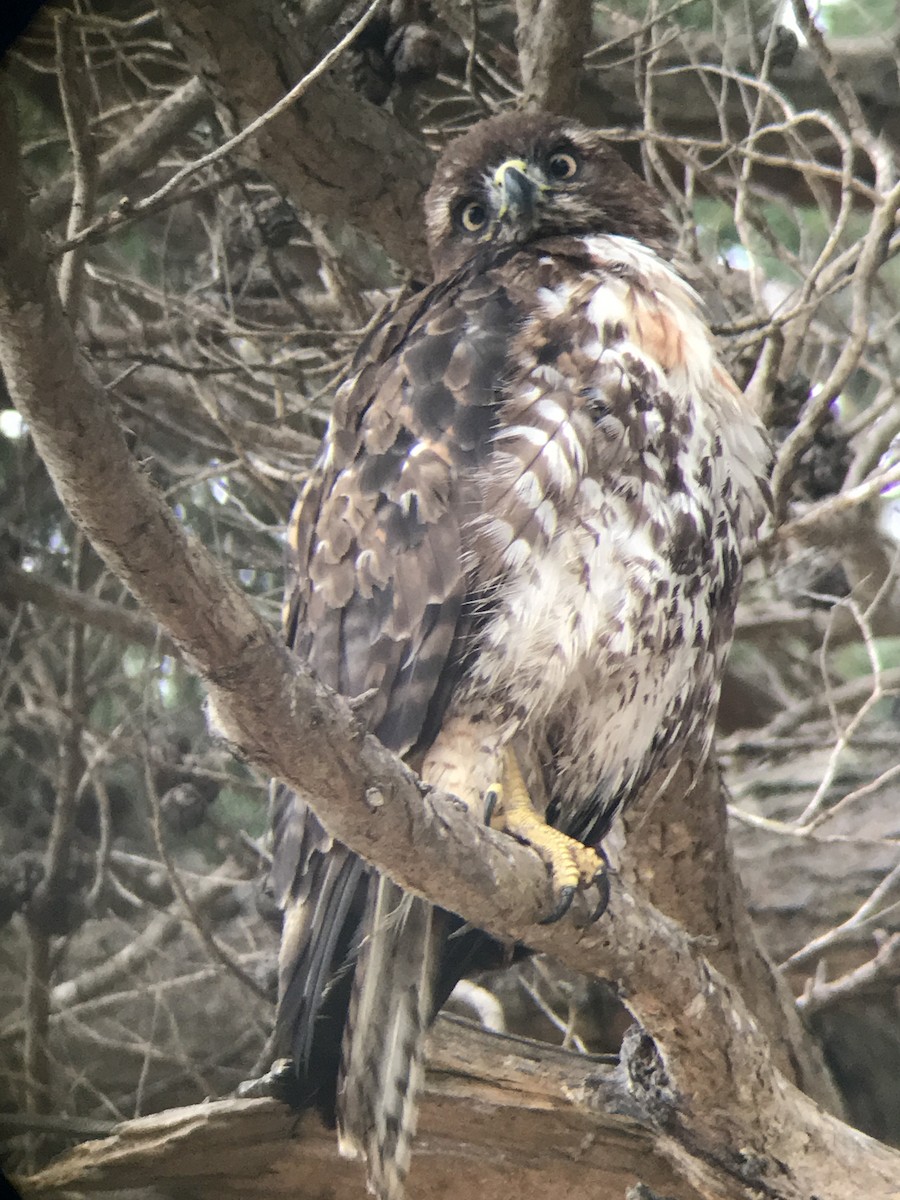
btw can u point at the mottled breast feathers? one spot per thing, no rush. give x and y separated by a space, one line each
565 399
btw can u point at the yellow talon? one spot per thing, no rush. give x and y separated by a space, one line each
572 865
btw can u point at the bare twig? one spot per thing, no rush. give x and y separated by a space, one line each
99 983
135 152
812 814
36 1059
472 58
880 973
59 845
871 910
172 187
216 950
875 250
76 113
25 586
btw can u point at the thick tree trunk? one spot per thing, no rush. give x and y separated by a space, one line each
334 154
500 1116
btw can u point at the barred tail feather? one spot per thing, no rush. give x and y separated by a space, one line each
384 1040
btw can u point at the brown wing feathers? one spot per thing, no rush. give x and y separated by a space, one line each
380 601
380 587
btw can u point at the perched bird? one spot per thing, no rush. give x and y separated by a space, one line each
520 548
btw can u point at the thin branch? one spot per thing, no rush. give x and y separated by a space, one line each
19 586
171 188
216 951
139 150
859 125
126 964
35 1055
50 891
876 248
880 974
870 910
472 58
812 815
822 517
76 113
104 845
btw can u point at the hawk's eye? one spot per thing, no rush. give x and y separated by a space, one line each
562 165
472 216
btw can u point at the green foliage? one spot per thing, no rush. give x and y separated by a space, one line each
856 18
242 810
853 661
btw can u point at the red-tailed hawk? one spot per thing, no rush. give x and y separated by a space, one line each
521 546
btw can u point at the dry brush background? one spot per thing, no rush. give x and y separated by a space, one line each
216 285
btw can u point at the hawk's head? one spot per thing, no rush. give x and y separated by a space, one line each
520 176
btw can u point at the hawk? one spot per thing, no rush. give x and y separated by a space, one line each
520 551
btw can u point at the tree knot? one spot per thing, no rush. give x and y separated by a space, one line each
646 1077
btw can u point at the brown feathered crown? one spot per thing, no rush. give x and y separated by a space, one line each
522 176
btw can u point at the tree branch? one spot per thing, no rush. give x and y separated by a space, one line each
171 190
76 107
549 1109
880 973
140 150
98 982
17 586
678 855
333 154
552 37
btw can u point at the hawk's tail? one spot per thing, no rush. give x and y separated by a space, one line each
384 1041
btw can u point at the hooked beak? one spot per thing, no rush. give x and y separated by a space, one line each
517 193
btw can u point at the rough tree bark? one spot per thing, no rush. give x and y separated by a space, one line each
552 37
500 1116
335 154
701 1073
677 853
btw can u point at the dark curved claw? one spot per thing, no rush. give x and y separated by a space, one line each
491 796
280 1082
601 883
563 904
